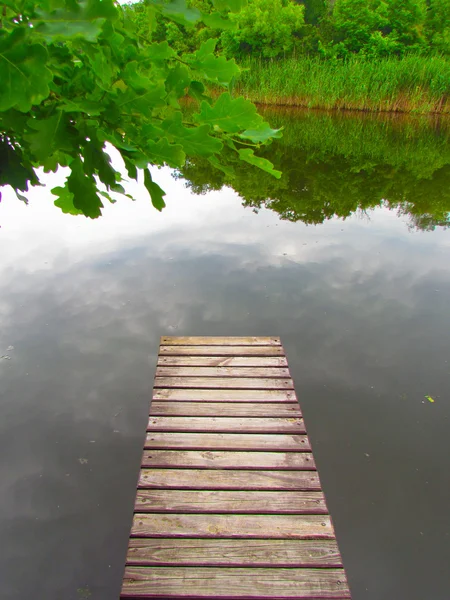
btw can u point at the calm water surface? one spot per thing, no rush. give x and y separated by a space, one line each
362 305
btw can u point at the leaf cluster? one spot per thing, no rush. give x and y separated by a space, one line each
77 74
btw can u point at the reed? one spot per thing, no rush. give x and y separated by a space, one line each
417 84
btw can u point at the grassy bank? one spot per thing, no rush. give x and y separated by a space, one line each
411 84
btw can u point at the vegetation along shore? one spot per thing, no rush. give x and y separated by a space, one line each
372 55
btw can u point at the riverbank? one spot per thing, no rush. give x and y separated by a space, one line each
413 84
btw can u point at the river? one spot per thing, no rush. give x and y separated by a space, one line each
346 258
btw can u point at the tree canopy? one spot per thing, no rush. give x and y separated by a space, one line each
77 74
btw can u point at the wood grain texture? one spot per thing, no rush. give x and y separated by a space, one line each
221 350
186 395
207 459
233 552
229 502
232 526
266 372
203 479
235 583
228 441
227 424
223 361
224 409
224 383
207 501
168 340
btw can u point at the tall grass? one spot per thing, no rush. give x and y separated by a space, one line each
411 84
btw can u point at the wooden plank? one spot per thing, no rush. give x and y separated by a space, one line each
223 361
224 383
194 459
276 372
232 526
231 583
228 441
221 350
224 409
227 424
230 479
233 552
194 501
168 340
186 395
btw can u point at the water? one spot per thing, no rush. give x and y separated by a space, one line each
361 304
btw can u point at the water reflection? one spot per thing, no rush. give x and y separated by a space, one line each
336 165
362 308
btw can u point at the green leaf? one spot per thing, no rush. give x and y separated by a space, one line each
178 80
97 162
65 201
216 21
197 90
162 152
160 51
50 134
83 106
230 115
217 69
228 170
85 19
195 141
84 191
13 171
24 76
262 163
261 134
429 398
178 11
156 193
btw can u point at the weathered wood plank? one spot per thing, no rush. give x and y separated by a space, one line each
236 583
233 552
224 409
221 350
194 459
232 526
228 441
224 383
227 424
230 479
265 372
168 340
223 361
186 395
207 501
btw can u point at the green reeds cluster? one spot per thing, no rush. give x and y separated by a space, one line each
414 83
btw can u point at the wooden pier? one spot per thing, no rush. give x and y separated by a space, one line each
229 503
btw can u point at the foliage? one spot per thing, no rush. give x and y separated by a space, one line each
338 165
77 74
414 83
266 28
438 25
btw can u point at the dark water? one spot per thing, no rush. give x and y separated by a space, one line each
362 305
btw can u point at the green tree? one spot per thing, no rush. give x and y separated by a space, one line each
358 22
407 21
266 28
438 25
76 74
